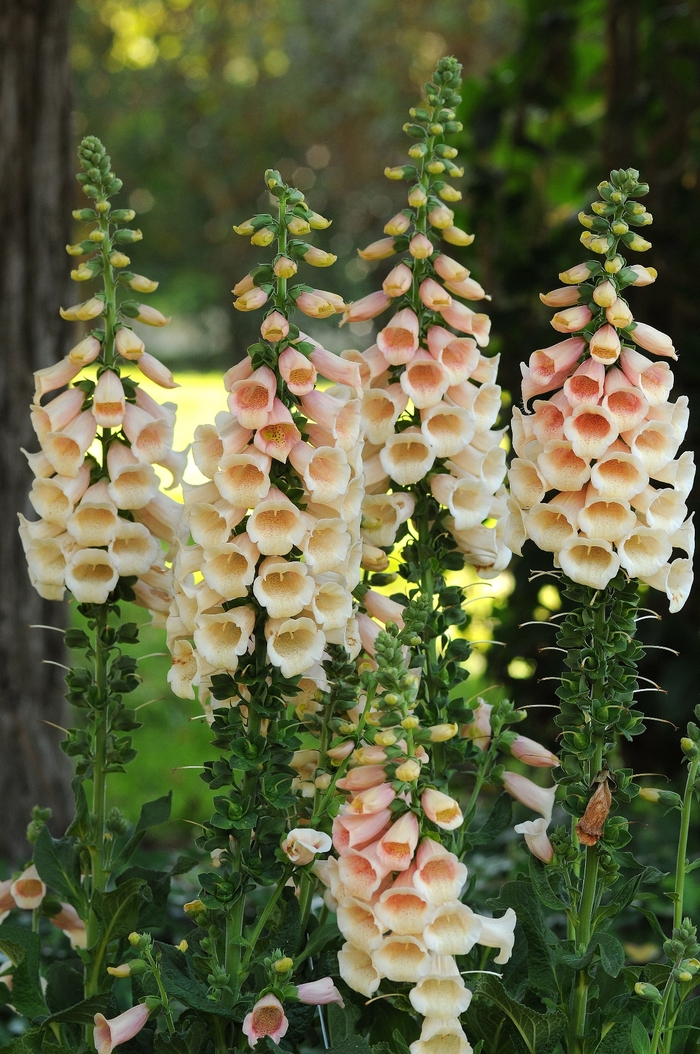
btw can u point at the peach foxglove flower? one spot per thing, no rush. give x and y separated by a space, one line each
279 434
605 345
564 297
454 930
150 316
401 957
440 1034
499 933
420 247
398 281
407 456
467 321
356 830
571 319
294 644
28 890
267 1018
111 1033
396 848
441 992
276 525
337 368
298 372
274 327
441 809
53 377
223 637
367 307
109 401
155 371
301 846
128 344
540 799
319 993
251 400
243 479
357 969
7 901
424 380
283 587
251 299
72 925
536 839
398 341
83 312
403 909
433 295
585 385
533 753
653 340
91 575
379 250
151 438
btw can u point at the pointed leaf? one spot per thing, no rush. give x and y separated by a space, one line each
641 1044
58 864
498 819
23 948
152 813
536 1030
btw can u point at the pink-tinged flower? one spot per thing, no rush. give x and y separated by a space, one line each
319 993
379 250
359 779
604 345
251 400
279 434
479 730
298 373
441 217
362 872
465 320
274 327
251 300
441 994
433 295
151 439
571 319
586 384
83 312
574 275
533 753
469 289
372 800
590 430
539 799
366 308
407 456
533 385
424 380
150 316
536 838
449 269
618 314
357 969
110 1034
398 224
337 413
383 608
654 378
420 247
498 933
441 809
66 449
398 341
396 848
57 414
109 400
68 920
356 831
439 875
548 363
550 415
342 371
53 377
155 371
402 908
398 281
653 340
567 296
7 901
303 843
244 286
315 305
128 344
267 1018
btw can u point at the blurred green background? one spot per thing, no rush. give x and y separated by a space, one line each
195 98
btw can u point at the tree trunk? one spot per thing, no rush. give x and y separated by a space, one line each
35 200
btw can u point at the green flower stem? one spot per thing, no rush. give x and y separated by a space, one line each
167 1012
234 928
281 289
99 874
110 314
262 921
681 857
221 1044
307 886
661 1015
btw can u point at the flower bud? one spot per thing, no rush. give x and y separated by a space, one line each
318 258
417 197
83 273
284 268
441 733
296 226
379 250
139 940
182 946
118 259
193 907
266 235
408 771
647 991
142 284
441 217
398 224
245 229
317 222
604 294
385 739
455 236
283 965
449 193
690 749
410 722
420 247
274 327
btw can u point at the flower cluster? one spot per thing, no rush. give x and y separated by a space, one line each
395 888
431 399
276 529
102 515
581 482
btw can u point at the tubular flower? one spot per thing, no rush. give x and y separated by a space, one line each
94 544
597 480
276 527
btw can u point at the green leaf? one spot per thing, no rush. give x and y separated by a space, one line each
612 954
152 813
181 984
498 819
118 913
153 909
341 1021
352 1045
58 864
544 973
64 986
641 1044
536 1030
540 882
191 1041
23 948
83 1013
318 940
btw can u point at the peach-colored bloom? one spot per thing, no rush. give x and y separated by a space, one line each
353 830
128 344
109 400
72 925
53 377
298 373
420 247
433 295
111 1033
586 384
366 308
441 809
251 300
379 250
398 281
303 843
267 1018
319 993
571 319
315 305
424 380
604 345
279 434
274 327
155 371
28 890
467 321
533 753
251 400
396 848
566 296
653 340
536 839
540 799
398 341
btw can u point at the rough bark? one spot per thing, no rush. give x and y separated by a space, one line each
35 199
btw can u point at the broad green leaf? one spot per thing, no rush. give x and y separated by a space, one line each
612 954
153 908
536 1030
152 813
58 864
541 884
181 984
545 974
83 1013
341 1021
23 948
318 940
641 1044
352 1045
64 986
498 819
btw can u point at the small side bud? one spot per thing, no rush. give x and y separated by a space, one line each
283 965
647 991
